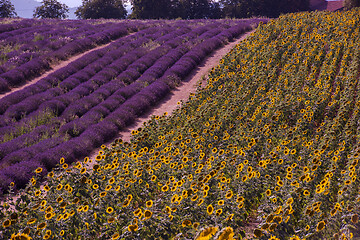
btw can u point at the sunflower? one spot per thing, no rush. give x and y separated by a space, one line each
186 223
207 233
59 187
149 203
109 210
31 221
41 226
48 216
210 209
355 218
268 192
115 236
133 228
229 194
165 188
22 236
226 234
137 212
111 220
83 170
7 223
196 225
147 214
320 226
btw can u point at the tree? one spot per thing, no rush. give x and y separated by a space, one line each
7 9
95 9
348 4
195 9
249 8
170 9
152 9
51 9
215 10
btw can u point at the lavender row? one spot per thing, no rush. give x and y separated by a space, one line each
100 111
159 62
134 71
97 96
67 80
126 113
16 110
26 71
94 98
80 70
36 66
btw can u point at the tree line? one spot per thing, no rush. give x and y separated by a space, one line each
168 9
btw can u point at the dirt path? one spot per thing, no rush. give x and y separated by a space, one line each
53 69
187 86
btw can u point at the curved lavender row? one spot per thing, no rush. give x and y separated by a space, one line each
5 149
18 24
157 68
126 113
54 78
10 158
33 48
22 73
95 114
117 65
81 64
122 116
27 106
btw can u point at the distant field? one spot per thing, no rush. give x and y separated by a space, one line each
85 103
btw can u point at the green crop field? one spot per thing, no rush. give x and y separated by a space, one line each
267 149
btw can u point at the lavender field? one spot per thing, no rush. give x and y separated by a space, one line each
84 104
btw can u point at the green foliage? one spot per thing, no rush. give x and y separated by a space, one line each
197 9
38 37
25 126
348 4
150 9
171 9
246 8
51 9
7 9
94 9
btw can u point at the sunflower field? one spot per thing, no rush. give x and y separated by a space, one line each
267 149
